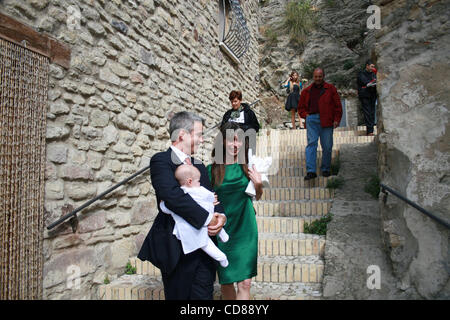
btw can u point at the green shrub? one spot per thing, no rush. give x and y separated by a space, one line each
129 269
372 186
335 166
106 281
309 67
271 35
348 64
335 183
339 80
318 226
299 20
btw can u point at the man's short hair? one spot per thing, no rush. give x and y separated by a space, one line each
235 94
369 62
183 120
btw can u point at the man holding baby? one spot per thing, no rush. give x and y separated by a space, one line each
185 276
192 275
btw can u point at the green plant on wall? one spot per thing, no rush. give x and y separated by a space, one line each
299 20
348 64
129 269
372 186
271 35
335 183
309 67
335 166
318 226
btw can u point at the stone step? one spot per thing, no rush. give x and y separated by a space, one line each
297 182
296 172
271 267
291 157
276 247
141 287
132 287
291 208
264 149
279 225
307 269
297 194
338 132
285 291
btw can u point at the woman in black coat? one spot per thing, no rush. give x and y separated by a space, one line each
240 113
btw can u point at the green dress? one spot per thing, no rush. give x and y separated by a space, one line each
242 247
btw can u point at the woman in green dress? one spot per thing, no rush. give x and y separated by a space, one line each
230 176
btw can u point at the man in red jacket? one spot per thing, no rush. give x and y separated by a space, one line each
321 106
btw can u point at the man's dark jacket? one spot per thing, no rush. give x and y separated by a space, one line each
161 247
250 120
365 77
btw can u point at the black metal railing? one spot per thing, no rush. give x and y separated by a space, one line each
385 189
73 215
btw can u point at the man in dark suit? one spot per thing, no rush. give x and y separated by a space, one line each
185 276
367 93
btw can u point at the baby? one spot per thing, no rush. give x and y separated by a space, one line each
191 238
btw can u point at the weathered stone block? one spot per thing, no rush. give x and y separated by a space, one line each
96 29
80 191
125 122
73 172
99 118
57 153
55 131
54 190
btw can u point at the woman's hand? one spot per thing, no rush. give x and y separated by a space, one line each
255 177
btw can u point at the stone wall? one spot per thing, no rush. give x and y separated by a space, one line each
132 63
414 151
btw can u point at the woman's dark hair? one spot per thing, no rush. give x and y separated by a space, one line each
218 165
235 94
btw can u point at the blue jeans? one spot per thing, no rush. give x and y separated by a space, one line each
313 131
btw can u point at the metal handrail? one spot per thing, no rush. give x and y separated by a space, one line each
385 189
73 214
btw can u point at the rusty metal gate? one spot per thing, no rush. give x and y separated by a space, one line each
23 105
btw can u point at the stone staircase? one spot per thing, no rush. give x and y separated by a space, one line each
290 262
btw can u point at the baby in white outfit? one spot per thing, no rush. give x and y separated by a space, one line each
191 238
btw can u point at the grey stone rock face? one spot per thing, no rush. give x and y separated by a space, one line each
414 153
339 43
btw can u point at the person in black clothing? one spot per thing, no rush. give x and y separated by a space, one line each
240 113
367 93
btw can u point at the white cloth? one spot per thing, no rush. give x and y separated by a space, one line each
241 118
182 158
262 165
190 237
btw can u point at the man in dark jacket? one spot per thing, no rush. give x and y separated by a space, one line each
240 113
367 93
185 276
321 106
